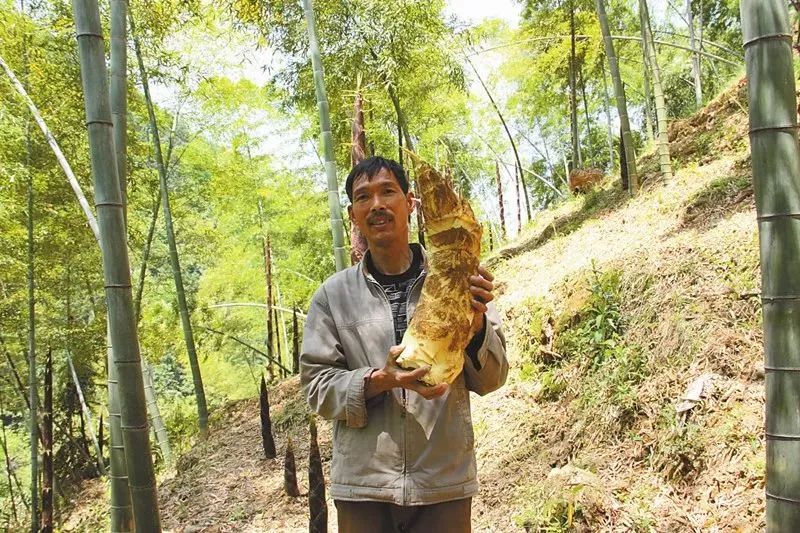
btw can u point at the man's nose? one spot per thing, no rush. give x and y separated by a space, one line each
377 203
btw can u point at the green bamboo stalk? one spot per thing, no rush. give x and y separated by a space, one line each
183 308
334 205
119 91
121 509
658 92
51 140
609 131
648 115
619 92
577 159
776 168
295 343
155 413
696 73
121 504
116 266
33 393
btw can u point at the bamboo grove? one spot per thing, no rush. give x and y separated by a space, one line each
128 320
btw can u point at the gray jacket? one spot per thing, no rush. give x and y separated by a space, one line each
396 447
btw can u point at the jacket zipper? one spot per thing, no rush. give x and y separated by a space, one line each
402 391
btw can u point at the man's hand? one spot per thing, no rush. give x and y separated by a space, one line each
392 376
481 288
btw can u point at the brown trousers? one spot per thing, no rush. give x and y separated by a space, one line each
380 517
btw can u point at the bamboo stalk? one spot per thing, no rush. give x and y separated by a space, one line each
183 307
86 413
51 140
334 206
698 83
658 92
577 159
295 344
500 198
46 520
155 414
619 91
609 131
116 266
776 166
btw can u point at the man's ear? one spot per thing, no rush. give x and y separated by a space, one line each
350 213
412 201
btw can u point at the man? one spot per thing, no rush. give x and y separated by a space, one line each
403 456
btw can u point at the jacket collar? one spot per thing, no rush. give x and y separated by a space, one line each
362 265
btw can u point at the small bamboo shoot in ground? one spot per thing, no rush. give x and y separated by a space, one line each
290 471
266 424
317 506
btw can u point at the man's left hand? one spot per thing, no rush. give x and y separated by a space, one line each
480 287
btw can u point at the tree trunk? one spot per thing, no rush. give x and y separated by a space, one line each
698 87
589 145
337 228
776 168
116 266
500 199
183 308
619 91
295 343
317 506
267 441
86 413
46 522
658 91
155 414
577 160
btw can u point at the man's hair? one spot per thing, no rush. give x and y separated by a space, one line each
371 166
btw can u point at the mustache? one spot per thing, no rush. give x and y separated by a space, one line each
380 214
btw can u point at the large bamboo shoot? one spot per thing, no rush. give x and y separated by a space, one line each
440 328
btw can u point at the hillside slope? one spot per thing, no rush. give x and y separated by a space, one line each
617 311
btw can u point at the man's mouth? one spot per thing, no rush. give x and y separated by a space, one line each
379 221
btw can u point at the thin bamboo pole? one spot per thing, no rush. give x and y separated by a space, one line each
46 520
334 205
698 83
155 413
51 140
664 160
776 169
609 129
577 159
116 266
180 293
86 412
619 91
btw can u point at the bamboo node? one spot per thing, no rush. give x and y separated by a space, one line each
768 37
778 436
771 496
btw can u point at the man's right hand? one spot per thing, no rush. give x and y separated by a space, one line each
392 376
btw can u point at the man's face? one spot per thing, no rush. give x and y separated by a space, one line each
380 208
